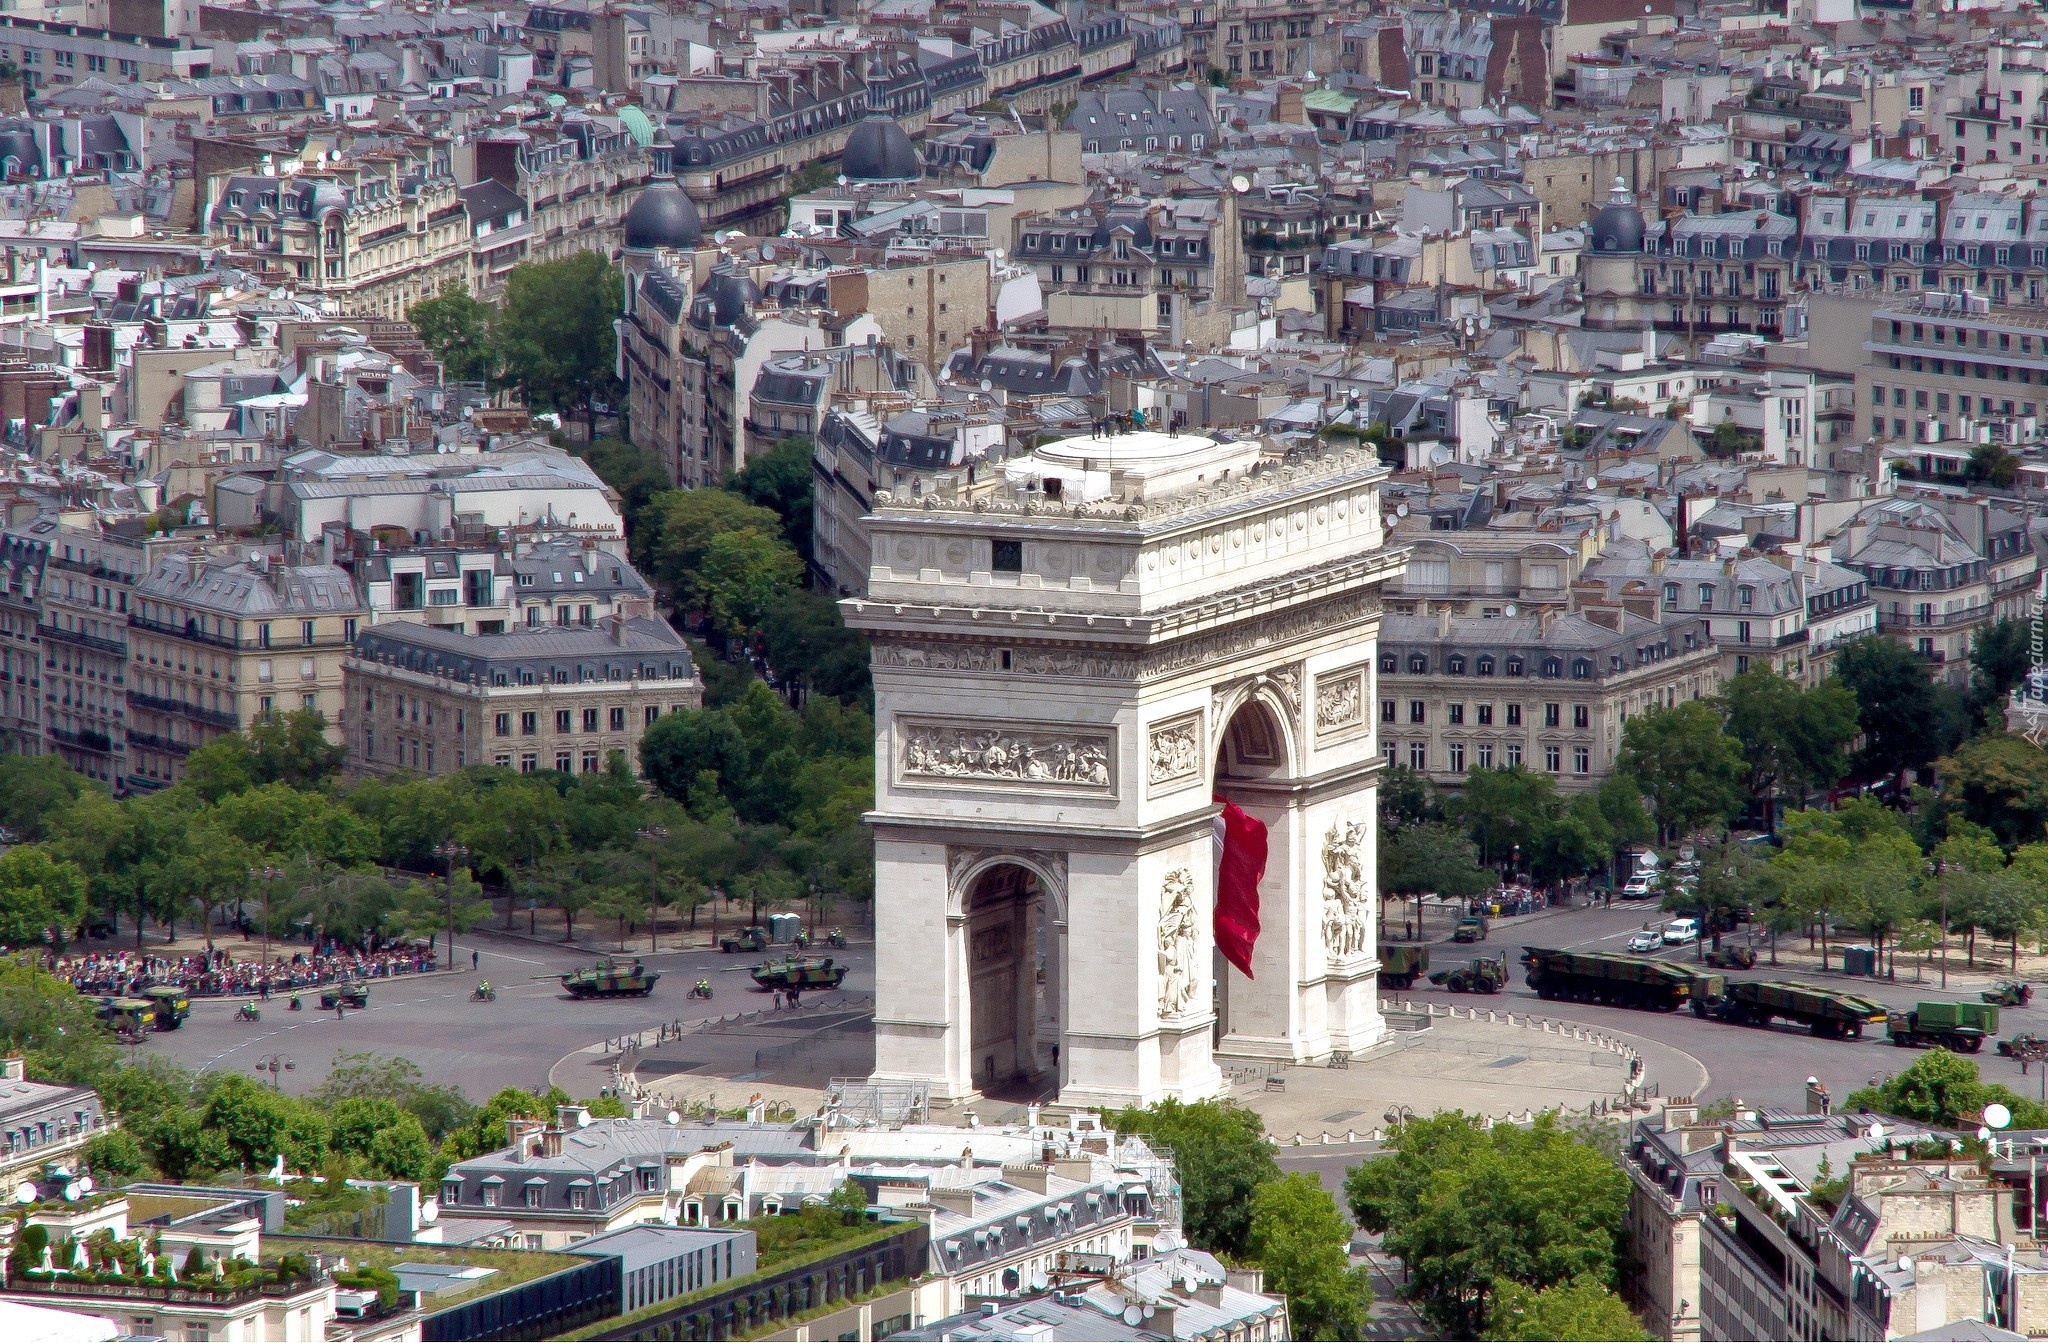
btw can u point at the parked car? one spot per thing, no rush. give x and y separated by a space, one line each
1682 930
1646 940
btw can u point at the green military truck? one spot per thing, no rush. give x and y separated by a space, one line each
1962 1027
1485 974
128 1016
345 993
1618 980
173 1005
1825 1012
751 938
1402 963
1471 928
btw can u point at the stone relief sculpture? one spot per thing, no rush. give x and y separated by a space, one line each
1177 943
938 752
1174 752
1340 703
970 657
1347 893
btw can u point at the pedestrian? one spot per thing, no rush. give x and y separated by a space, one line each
266 990
472 958
340 1012
796 996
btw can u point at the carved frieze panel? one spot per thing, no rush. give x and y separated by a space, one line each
1041 756
1173 754
1340 703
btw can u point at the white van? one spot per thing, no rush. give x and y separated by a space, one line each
1681 930
1638 888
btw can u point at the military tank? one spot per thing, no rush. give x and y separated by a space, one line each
611 979
795 972
345 993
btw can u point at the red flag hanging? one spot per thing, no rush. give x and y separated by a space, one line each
1240 863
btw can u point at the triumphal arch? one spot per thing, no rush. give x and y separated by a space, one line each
1075 656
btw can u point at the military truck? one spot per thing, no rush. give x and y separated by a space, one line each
1962 1027
611 979
173 1005
2009 993
751 938
1618 980
1484 974
128 1016
1402 962
796 972
1471 928
345 993
1825 1012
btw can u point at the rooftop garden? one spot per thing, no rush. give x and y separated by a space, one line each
103 1265
369 1259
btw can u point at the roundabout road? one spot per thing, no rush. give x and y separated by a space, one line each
478 1048
1764 1067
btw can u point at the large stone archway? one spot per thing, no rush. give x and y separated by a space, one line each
1060 695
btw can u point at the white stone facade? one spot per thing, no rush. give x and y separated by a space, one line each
1069 667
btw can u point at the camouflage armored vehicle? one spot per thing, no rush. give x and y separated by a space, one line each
1483 975
345 993
2009 993
1962 1027
793 972
1622 981
611 979
173 1005
129 1016
1751 1002
752 938
1402 962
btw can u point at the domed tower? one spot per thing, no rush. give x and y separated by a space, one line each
662 227
1610 269
878 150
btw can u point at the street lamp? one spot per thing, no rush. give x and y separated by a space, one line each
267 875
275 1064
451 853
652 835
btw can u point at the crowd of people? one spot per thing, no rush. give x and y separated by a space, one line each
216 974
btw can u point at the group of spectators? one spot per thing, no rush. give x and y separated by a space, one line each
216 974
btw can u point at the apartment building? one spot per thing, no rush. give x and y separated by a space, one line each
1171 270
488 589
24 560
217 641
1546 692
433 700
91 575
1944 367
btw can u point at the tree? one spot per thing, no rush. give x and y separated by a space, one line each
556 335
807 642
850 1201
42 898
780 480
1906 720
2000 658
388 1140
1301 1240
743 575
1833 862
1944 1088
1471 1212
1407 798
1576 840
1792 738
1222 1157
259 1124
1730 439
457 328
289 748
439 1109
485 1131
1691 772
686 522
1570 1311
34 790
1993 463
682 748
1505 807
1431 860
2001 783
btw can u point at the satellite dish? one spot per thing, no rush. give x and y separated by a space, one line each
1240 183
767 251
1509 610
71 1192
1134 1315
430 1211
1983 1133
1905 1263
1996 1115
1874 1132
25 1193
1400 510
987 386
583 1119
85 1184
1592 482
675 1116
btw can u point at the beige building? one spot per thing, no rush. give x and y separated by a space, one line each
1548 692
435 700
217 641
1167 270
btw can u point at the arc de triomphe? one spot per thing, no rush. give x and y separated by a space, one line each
1070 661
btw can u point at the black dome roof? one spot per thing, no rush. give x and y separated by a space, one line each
1618 226
725 296
879 151
663 216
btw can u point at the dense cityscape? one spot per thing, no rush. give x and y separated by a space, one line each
983 670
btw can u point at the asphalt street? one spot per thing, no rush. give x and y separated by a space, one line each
1763 1067
478 1047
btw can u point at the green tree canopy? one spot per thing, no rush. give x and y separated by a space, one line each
1505 807
555 331
1691 772
42 897
1793 738
1999 782
1907 720
1301 1239
1222 1157
1471 1212
34 791
457 328
1944 1088
780 480
1565 1313
1431 860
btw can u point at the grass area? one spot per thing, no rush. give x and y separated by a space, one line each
813 1234
512 1267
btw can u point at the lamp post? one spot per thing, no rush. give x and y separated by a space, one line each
267 875
451 853
652 835
275 1064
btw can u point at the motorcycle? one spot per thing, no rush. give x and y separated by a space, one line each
295 1005
701 990
836 938
483 995
249 1012
801 940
